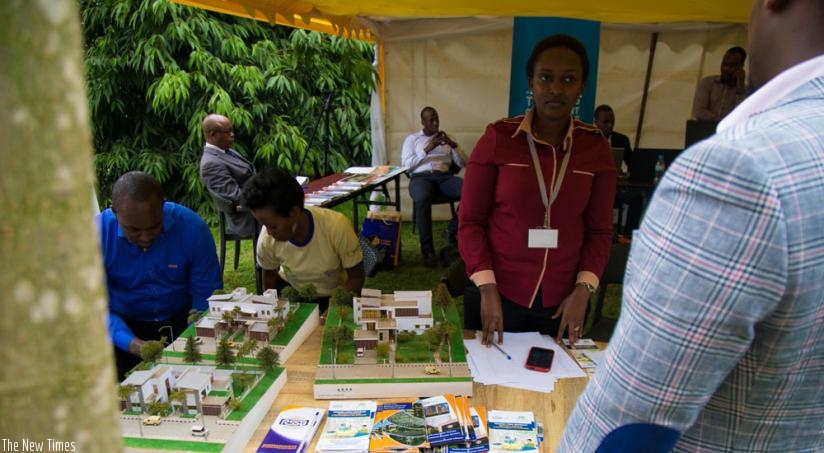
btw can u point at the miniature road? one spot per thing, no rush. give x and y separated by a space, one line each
177 429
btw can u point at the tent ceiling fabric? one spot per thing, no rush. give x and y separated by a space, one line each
374 16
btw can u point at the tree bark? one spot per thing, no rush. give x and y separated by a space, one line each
57 379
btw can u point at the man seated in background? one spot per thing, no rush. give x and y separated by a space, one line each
301 245
717 95
160 262
429 154
633 198
224 171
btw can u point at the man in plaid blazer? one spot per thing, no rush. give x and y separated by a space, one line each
720 344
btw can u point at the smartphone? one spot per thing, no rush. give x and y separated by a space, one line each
539 359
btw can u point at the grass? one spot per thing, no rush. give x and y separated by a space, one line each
410 274
169 444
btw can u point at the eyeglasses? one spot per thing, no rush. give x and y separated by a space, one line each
225 131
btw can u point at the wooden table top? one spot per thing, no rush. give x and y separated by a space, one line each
552 409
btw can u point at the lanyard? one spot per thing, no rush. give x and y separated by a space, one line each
555 186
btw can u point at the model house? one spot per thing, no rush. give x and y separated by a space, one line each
248 311
382 316
156 384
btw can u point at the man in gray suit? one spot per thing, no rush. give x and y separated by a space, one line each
224 171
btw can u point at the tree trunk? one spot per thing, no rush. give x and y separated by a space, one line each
57 378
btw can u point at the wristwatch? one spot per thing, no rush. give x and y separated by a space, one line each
588 286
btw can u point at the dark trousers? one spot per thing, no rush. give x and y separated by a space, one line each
634 199
423 187
517 318
149 330
323 302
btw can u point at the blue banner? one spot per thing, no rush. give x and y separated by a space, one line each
526 33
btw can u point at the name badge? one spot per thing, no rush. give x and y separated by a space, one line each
543 238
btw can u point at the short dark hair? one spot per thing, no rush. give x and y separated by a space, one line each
135 186
740 51
558 40
428 109
602 108
272 188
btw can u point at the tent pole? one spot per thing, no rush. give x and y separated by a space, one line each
653 43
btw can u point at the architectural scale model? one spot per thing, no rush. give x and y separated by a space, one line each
392 345
213 385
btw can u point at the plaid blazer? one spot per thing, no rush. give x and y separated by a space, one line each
721 335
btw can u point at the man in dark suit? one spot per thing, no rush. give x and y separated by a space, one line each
634 199
224 171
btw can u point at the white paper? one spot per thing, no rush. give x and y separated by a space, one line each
491 366
359 170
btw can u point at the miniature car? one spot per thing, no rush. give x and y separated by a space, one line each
431 370
199 431
360 352
198 340
152 420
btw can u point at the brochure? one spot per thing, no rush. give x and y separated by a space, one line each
348 425
293 430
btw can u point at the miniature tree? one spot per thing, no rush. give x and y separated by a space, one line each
159 408
191 352
228 318
303 295
268 358
247 348
243 381
344 312
194 315
340 297
124 392
152 350
441 298
382 349
234 404
178 399
224 355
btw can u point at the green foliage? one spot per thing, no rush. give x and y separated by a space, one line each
268 358
155 69
345 358
224 355
159 408
341 297
191 352
303 295
152 350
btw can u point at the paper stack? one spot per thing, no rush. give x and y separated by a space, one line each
505 365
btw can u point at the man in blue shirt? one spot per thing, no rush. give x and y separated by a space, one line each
160 262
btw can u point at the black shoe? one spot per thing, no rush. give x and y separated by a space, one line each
429 260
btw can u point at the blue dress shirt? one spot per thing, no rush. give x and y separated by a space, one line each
156 283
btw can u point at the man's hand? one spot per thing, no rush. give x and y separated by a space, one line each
434 142
447 140
136 346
